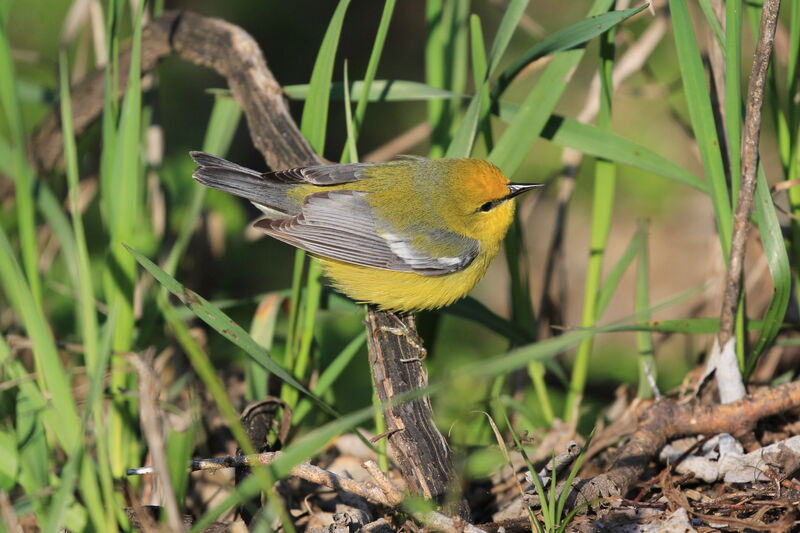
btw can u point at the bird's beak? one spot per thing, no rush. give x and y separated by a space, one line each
515 189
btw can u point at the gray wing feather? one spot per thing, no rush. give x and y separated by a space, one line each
341 225
223 175
321 175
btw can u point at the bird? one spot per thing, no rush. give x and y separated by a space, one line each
406 235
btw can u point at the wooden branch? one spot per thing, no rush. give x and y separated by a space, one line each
381 492
421 450
750 140
667 419
230 51
210 42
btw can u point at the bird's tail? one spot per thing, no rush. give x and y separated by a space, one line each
223 175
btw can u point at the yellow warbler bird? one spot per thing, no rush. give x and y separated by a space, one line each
405 235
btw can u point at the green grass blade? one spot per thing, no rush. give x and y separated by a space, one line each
508 25
351 153
306 335
313 126
778 262
64 494
22 173
315 113
713 22
86 300
477 112
549 348
461 144
644 342
34 453
472 309
369 75
566 39
445 65
534 112
602 213
611 282
687 326
379 91
330 374
592 140
523 355
6 159
223 324
733 92
225 117
792 81
262 329
110 109
52 211
52 374
480 70
123 191
697 92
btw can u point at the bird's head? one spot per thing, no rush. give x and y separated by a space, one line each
481 199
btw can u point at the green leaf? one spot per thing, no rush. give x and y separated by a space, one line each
225 117
512 14
380 91
461 143
52 374
9 459
221 322
713 22
769 229
472 309
565 39
369 75
315 112
644 342
331 374
697 92
611 282
593 141
22 174
688 326
446 56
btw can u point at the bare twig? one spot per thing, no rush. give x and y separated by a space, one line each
667 419
750 140
382 492
151 421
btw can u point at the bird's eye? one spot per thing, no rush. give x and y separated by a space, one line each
488 206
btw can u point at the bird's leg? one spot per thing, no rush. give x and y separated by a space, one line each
409 331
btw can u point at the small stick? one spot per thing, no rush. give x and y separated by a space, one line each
382 493
750 140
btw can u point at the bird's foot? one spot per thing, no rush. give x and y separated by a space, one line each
411 336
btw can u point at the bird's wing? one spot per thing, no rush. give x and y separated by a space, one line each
314 175
341 225
321 174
